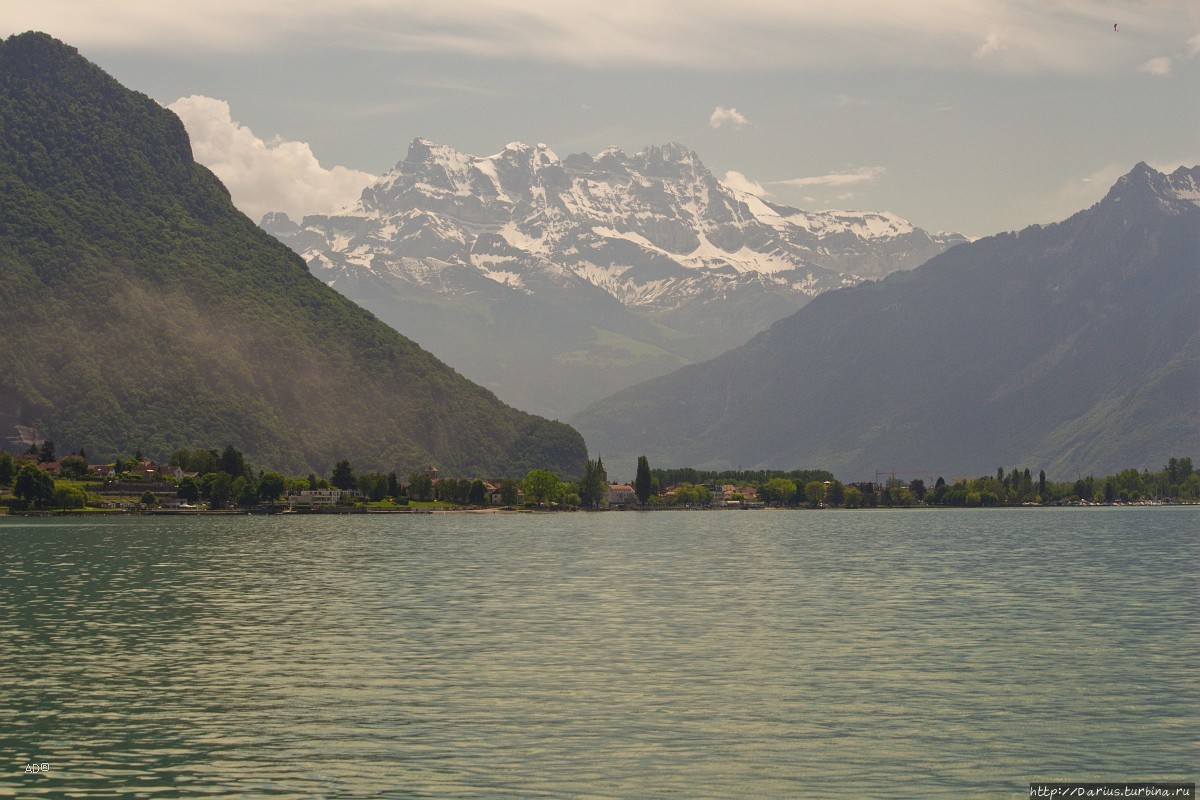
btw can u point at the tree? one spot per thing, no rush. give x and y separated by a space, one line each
69 497
540 486
593 486
450 489
1178 470
46 453
685 494
509 492
232 462
814 492
643 484
73 467
271 486
343 476
244 492
836 495
1042 483
148 499
34 485
420 486
220 490
237 489
188 491
777 490
477 495
692 494
373 486
568 494
1190 488
197 460
393 485
6 468
853 497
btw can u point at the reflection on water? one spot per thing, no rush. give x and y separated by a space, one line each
622 655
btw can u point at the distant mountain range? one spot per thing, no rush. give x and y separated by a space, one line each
1073 347
556 281
140 310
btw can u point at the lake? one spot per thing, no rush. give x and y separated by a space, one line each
761 654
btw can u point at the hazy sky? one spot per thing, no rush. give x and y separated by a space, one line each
969 115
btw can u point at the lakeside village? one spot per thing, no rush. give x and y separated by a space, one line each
193 481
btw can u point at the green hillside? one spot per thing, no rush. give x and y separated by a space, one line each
140 309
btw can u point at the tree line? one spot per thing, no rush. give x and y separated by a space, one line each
1178 481
223 478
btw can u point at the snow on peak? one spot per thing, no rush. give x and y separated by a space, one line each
631 215
423 149
1145 182
865 225
1185 184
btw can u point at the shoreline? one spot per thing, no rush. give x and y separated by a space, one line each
227 512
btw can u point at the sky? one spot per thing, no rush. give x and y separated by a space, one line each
974 116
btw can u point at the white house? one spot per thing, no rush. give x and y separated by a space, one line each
621 494
320 497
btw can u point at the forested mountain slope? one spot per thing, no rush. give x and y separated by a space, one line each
140 309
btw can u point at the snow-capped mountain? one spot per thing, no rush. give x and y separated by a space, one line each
637 263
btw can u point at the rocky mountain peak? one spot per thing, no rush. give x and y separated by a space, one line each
1185 184
1144 184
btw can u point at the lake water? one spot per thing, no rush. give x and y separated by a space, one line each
869 654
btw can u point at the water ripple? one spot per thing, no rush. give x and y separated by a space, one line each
702 655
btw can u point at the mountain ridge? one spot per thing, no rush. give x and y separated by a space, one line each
1045 347
645 261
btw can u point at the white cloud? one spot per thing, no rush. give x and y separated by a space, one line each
861 175
738 181
264 176
1194 46
992 43
720 116
1157 66
1018 35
